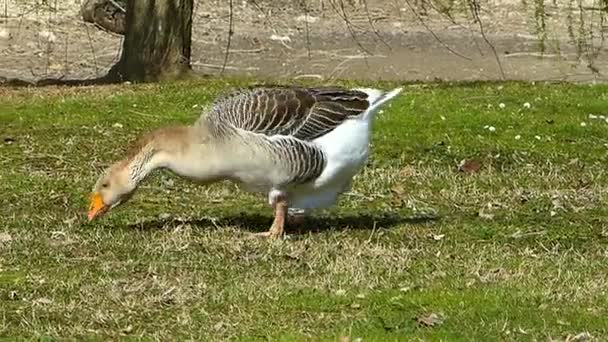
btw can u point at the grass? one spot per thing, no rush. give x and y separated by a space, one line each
516 251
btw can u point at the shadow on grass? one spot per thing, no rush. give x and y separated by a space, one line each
310 224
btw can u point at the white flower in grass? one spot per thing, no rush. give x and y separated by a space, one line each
517 137
583 124
537 137
492 129
591 116
501 105
527 105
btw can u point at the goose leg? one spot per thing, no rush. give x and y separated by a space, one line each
280 214
278 225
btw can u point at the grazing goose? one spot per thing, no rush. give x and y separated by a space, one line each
301 146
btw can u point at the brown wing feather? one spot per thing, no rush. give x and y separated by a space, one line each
304 113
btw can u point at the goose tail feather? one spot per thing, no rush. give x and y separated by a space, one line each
377 98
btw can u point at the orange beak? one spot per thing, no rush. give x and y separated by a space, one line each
96 206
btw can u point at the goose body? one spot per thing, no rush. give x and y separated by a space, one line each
306 143
301 146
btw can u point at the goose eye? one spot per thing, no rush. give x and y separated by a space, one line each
105 185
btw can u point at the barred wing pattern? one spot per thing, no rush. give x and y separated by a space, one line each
288 119
303 113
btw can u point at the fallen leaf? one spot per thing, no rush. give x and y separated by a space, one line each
469 166
430 320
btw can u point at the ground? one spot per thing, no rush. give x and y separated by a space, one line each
40 39
511 245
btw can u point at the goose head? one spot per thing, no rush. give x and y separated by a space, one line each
184 150
113 188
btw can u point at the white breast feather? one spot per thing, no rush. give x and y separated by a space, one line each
346 149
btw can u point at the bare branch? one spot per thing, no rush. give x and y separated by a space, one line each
447 47
303 4
342 13
474 5
92 49
374 29
266 18
230 33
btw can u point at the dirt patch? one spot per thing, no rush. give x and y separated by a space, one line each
379 40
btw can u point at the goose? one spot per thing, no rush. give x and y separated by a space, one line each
301 146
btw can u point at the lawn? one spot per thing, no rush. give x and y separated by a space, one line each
417 250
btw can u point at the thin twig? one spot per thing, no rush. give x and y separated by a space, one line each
226 67
303 4
342 13
92 49
233 51
475 11
266 18
230 33
317 76
435 35
374 29
66 69
118 6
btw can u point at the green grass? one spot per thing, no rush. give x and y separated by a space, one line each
516 251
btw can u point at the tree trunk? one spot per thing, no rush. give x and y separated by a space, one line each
157 41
